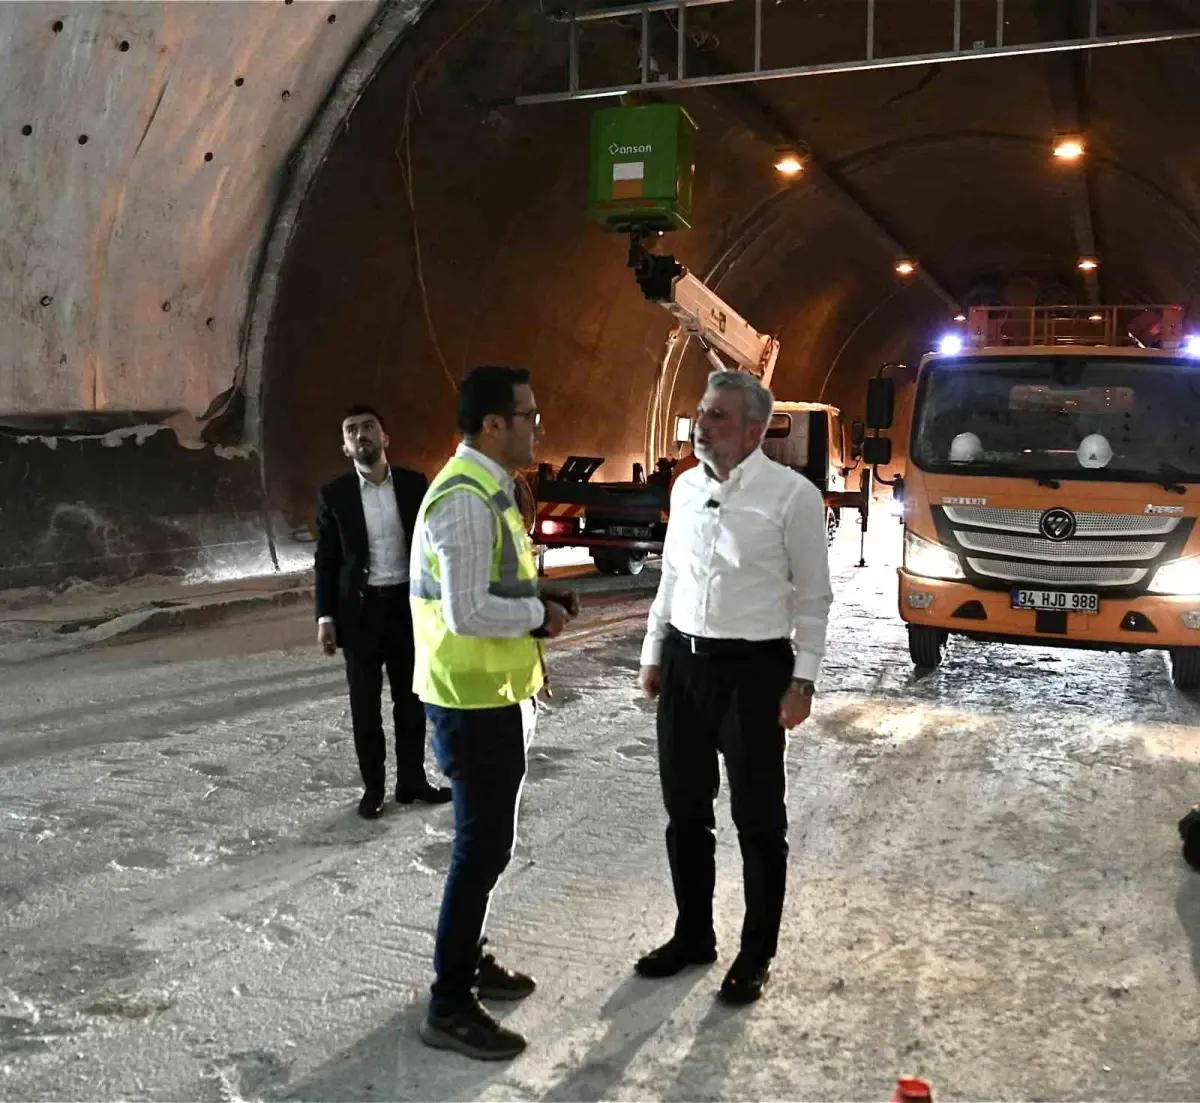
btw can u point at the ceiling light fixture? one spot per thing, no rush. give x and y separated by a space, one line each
1069 147
788 162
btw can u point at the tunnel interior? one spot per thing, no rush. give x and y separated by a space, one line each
443 225
953 161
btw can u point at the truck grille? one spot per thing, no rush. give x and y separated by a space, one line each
1109 551
1053 574
1069 551
1089 524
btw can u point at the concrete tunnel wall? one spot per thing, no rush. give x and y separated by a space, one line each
144 146
299 246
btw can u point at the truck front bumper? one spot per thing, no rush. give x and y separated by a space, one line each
1123 624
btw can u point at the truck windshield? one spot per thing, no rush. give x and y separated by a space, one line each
1060 417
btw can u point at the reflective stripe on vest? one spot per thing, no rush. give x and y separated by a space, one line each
510 583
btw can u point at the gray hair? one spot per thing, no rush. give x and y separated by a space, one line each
758 401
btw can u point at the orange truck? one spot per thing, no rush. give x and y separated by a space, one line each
1053 484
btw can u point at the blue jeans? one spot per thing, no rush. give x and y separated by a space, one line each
482 752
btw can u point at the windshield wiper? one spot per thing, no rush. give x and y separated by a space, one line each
1053 484
1168 471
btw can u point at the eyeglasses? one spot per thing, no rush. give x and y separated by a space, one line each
534 417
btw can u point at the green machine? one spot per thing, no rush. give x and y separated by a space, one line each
643 166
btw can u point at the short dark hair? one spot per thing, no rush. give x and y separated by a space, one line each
487 389
360 410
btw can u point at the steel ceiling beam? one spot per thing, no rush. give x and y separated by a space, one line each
866 63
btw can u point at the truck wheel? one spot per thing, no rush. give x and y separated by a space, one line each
832 520
619 562
925 646
1185 667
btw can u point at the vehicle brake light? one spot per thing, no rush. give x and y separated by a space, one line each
557 528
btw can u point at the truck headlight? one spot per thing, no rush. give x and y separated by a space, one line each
1180 576
929 560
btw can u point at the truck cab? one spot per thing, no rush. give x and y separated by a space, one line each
1053 485
810 438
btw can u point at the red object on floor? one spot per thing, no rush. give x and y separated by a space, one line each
912 1089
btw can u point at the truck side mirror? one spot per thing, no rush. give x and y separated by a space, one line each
858 433
877 450
881 403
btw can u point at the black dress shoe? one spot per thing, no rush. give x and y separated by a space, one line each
1189 832
744 982
371 805
494 982
673 956
424 792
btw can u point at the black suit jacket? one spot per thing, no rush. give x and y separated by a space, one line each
343 552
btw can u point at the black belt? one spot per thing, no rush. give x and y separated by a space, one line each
704 645
387 591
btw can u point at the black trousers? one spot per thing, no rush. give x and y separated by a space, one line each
728 705
383 639
482 752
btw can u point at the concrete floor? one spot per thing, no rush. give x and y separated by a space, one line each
985 882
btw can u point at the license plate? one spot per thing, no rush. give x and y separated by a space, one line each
637 532
1056 601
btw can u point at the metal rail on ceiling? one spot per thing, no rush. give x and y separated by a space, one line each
869 60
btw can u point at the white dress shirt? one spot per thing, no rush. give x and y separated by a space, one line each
388 565
387 545
460 530
745 559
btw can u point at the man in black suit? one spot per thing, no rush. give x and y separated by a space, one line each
365 522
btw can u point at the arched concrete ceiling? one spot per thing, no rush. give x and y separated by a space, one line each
319 295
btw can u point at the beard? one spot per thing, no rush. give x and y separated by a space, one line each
704 451
367 453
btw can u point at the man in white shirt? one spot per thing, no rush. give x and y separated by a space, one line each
365 520
734 643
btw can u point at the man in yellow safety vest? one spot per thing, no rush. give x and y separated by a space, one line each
478 625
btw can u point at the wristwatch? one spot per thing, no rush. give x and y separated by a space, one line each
804 687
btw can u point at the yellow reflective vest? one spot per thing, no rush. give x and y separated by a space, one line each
473 672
